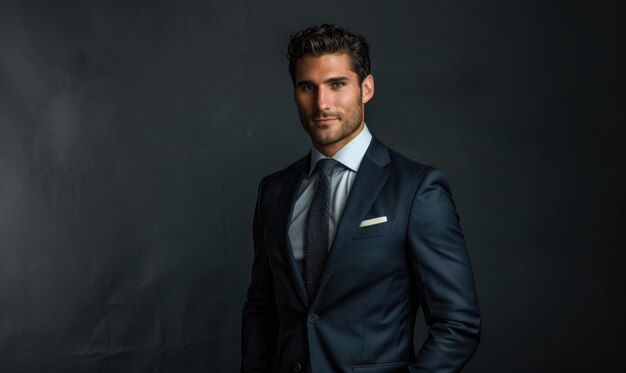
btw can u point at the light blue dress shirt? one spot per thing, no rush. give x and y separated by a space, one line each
350 157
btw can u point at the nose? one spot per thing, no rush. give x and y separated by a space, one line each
321 99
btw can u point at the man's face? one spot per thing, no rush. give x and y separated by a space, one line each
330 100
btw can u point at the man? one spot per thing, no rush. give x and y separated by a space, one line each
350 240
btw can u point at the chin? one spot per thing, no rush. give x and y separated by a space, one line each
327 140
318 134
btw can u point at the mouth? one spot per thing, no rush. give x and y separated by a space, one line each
325 120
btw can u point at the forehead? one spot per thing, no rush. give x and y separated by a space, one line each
323 67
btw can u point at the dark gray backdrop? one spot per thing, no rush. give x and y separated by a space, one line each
133 135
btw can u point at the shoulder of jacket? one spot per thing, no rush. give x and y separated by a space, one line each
278 175
408 166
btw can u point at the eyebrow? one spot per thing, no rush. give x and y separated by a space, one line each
327 81
336 79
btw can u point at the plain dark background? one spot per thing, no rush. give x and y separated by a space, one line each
133 136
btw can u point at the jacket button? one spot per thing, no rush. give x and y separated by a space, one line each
313 318
297 367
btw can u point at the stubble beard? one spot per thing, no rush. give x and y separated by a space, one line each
348 126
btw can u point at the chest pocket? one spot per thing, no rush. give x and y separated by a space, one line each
375 230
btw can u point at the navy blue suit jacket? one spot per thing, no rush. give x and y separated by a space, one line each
376 277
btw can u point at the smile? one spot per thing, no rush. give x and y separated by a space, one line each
324 120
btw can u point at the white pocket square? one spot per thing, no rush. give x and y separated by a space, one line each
368 222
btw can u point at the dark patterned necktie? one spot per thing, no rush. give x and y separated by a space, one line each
317 239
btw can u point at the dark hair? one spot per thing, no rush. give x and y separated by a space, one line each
329 39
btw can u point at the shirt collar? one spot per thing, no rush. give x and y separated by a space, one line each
350 155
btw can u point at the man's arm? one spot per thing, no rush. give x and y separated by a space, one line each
260 321
443 274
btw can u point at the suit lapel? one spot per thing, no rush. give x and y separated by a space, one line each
367 185
288 194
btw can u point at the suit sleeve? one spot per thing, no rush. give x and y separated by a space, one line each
259 319
441 268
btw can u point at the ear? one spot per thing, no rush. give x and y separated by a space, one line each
367 88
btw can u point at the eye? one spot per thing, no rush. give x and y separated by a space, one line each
306 87
337 85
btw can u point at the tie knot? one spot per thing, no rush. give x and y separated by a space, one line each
327 166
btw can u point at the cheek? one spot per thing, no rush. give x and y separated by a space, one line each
347 99
301 104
